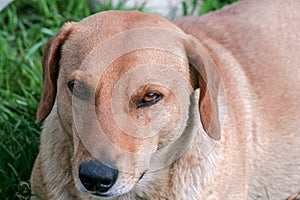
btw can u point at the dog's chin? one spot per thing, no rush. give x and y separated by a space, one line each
102 196
108 195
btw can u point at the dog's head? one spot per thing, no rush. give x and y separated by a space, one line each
124 84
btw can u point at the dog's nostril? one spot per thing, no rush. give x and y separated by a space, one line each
97 177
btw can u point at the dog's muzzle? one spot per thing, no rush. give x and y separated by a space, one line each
96 177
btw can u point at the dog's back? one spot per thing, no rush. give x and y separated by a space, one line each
264 39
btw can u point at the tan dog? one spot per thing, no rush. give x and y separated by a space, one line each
124 118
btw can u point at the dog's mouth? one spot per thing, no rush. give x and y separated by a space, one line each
99 194
142 175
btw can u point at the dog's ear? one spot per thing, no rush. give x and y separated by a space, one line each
208 80
50 64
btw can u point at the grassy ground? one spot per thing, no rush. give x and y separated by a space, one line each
25 26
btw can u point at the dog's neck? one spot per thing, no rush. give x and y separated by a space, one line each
195 168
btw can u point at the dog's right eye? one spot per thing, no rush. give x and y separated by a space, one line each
150 99
79 90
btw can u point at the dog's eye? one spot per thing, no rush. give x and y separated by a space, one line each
149 99
79 90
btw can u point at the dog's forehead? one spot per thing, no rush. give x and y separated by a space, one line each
100 27
101 36
118 21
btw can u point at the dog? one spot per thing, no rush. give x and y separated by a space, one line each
137 107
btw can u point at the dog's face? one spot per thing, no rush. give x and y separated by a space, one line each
123 93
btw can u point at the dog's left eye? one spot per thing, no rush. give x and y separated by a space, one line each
78 89
149 99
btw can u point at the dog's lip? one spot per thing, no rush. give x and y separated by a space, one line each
142 175
101 195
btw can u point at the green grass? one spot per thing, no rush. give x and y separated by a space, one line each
25 26
189 6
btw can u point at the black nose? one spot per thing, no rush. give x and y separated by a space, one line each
97 177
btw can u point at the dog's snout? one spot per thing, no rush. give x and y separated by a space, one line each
96 176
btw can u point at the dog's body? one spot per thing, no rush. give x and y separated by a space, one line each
245 60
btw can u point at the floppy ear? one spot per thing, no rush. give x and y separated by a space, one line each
208 82
50 64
